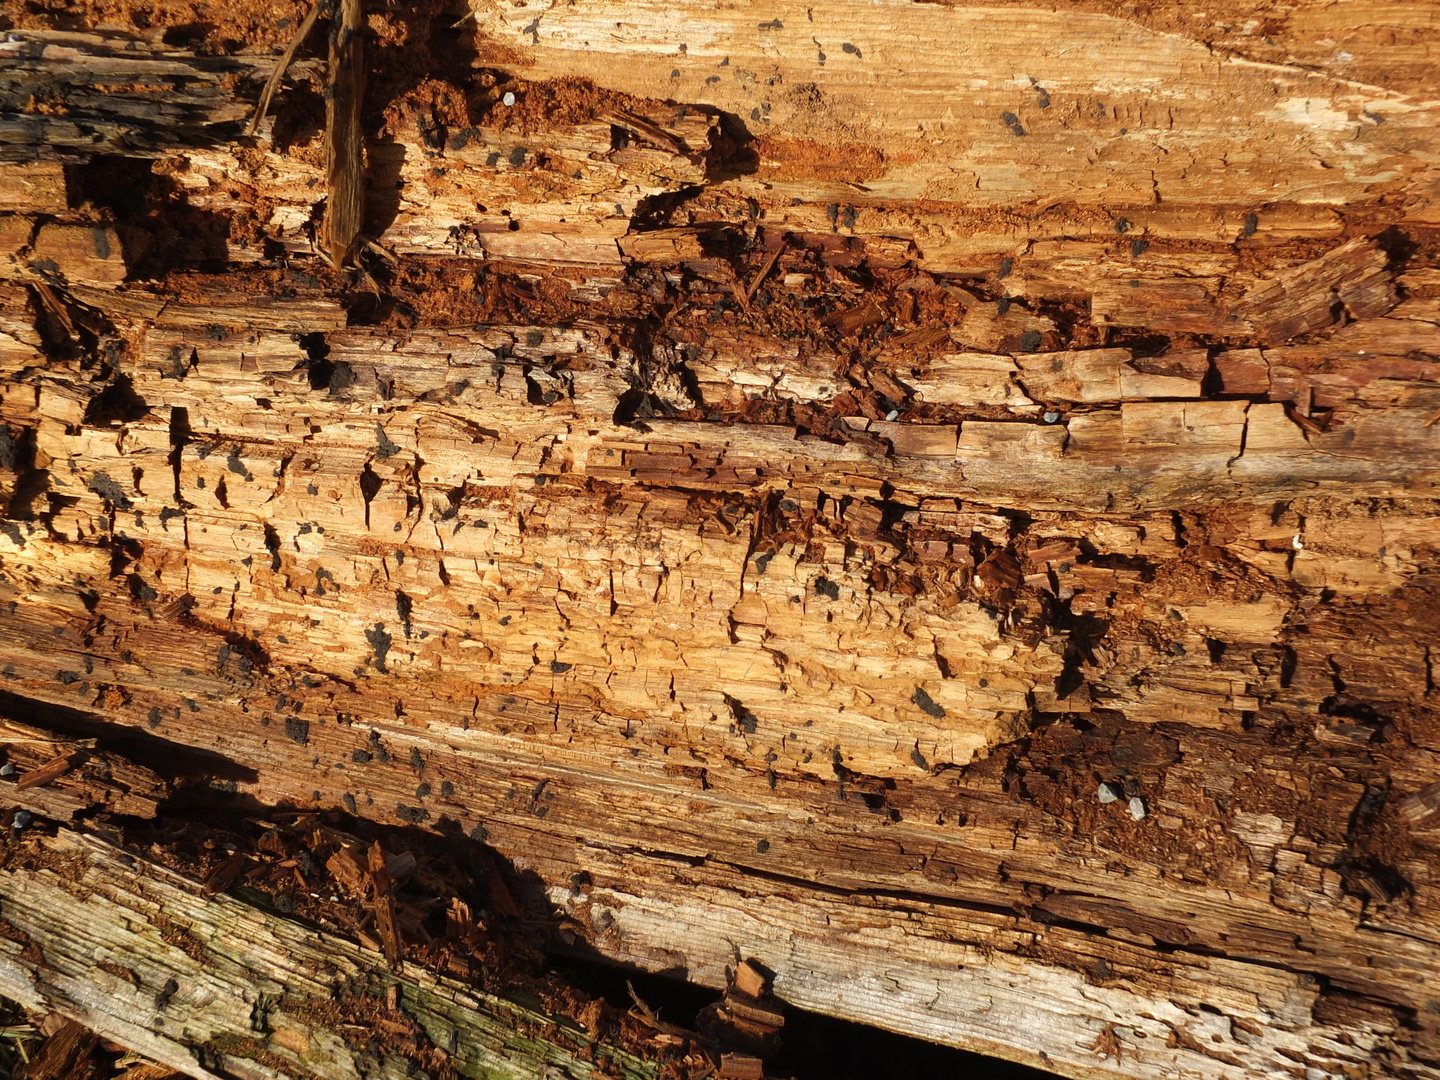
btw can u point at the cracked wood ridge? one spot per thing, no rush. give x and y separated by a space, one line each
938 499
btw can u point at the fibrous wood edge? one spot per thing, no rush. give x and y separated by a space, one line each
212 986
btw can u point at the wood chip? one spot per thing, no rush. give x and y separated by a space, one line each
348 868
889 387
853 320
219 879
749 979
756 1012
741 1067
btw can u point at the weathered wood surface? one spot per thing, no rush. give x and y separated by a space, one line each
212 986
806 616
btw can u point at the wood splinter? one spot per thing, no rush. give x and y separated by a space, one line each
344 142
385 908
273 83
51 770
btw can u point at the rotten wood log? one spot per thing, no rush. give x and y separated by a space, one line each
1009 617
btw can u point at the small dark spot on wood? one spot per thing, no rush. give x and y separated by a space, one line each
384 448
927 704
102 484
380 641
297 730
168 991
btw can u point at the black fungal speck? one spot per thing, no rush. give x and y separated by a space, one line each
927 704
380 641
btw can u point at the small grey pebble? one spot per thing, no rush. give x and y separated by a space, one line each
7 769
1137 807
1051 417
509 99
23 818
892 414
1108 794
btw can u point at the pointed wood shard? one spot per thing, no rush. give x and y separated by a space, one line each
344 146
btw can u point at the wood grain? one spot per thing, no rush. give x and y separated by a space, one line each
780 560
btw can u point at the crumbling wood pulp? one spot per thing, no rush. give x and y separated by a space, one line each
773 491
